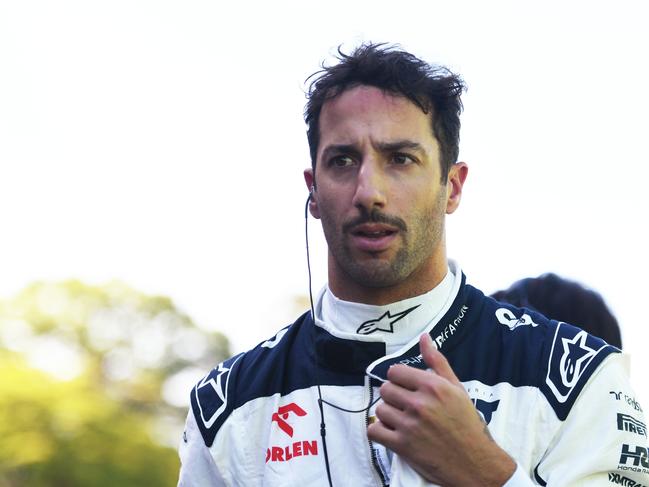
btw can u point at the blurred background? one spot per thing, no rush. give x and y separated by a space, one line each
151 193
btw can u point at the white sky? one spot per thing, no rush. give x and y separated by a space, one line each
161 143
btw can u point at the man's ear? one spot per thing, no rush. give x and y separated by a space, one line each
454 184
309 179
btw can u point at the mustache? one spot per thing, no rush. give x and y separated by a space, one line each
375 216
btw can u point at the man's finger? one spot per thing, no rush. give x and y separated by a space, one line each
380 433
435 360
395 395
408 377
390 416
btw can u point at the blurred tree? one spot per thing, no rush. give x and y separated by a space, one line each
94 384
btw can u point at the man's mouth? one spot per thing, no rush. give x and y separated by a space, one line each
373 230
375 234
373 237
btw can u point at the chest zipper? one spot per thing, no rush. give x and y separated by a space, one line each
375 462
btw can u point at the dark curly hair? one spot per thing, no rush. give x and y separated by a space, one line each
433 88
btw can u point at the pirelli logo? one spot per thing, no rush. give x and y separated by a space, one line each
628 423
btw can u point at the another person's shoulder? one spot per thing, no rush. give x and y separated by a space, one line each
259 372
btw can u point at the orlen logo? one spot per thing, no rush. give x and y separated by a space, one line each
282 415
295 449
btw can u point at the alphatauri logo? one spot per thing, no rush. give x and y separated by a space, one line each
385 322
486 408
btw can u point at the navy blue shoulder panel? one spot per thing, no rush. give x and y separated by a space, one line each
283 364
211 398
524 348
494 342
573 357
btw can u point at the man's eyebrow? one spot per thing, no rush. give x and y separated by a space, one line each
399 145
339 149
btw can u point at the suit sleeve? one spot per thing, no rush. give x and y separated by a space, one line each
197 467
603 440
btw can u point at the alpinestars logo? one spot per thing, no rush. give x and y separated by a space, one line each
569 359
211 394
575 353
282 415
383 323
628 423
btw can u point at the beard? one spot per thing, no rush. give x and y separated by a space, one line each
419 239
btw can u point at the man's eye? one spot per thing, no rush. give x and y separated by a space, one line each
402 159
341 161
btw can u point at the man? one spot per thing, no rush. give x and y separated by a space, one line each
402 374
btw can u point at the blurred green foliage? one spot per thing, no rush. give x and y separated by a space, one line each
93 385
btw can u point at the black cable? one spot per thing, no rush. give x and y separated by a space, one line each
323 426
323 433
308 257
352 410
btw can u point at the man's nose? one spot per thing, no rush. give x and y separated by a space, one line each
370 185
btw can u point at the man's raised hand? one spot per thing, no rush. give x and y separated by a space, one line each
427 418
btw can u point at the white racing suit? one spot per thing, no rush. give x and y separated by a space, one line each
555 398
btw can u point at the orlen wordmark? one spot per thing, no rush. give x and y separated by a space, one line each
295 449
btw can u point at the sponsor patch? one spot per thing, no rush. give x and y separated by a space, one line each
288 452
634 458
450 329
626 422
483 399
385 322
211 394
630 400
284 453
282 415
569 359
486 408
616 478
508 318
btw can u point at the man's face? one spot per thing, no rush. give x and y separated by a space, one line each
378 189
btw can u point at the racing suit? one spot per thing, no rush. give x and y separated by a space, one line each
555 398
